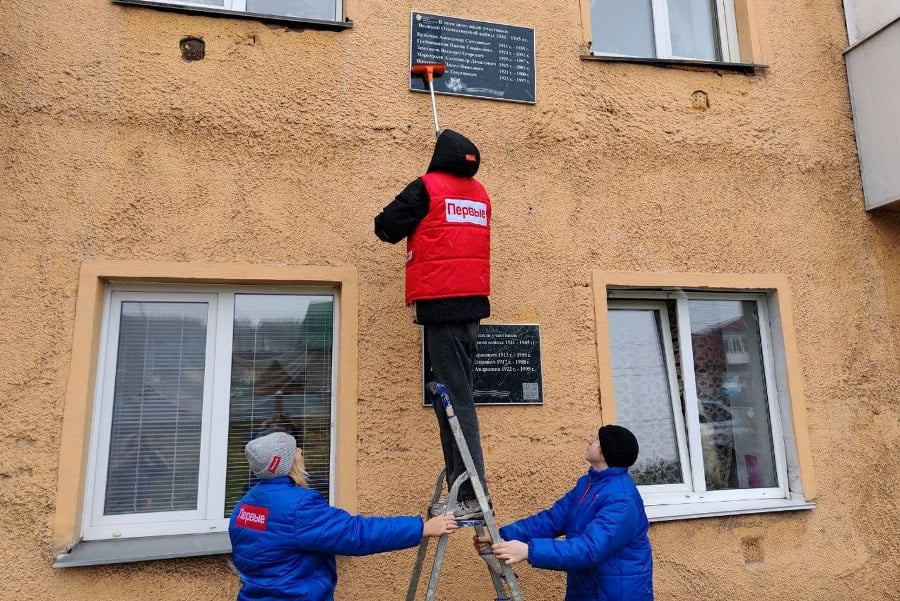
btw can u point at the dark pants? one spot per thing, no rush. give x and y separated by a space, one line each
451 348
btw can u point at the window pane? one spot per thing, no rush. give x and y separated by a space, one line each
307 9
735 431
623 27
154 447
280 376
217 3
695 29
643 394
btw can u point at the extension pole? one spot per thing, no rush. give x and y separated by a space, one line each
428 71
437 130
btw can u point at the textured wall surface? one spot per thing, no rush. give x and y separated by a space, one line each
281 146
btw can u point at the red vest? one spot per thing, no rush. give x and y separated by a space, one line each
449 253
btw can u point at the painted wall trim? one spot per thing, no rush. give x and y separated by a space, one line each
78 402
149 548
665 513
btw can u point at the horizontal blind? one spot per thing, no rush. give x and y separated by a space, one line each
281 373
157 404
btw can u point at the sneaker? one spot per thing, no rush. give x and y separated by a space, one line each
469 510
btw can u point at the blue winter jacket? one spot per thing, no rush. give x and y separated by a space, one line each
606 551
284 539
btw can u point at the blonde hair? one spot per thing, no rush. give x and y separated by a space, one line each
298 471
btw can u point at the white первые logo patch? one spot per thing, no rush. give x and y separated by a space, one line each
253 517
465 211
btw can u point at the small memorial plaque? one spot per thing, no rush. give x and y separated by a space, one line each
484 60
507 366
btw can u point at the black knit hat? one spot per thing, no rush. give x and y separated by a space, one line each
618 445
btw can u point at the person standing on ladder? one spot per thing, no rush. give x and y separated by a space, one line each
445 216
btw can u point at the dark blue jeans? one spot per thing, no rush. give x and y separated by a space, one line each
451 348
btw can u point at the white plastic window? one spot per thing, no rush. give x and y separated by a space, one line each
694 379
186 378
667 29
323 10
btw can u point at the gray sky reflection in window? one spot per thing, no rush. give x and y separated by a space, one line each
305 9
622 27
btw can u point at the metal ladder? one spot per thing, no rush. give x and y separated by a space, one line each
504 579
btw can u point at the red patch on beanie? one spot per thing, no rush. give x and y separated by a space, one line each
273 465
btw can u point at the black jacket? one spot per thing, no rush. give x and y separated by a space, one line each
400 218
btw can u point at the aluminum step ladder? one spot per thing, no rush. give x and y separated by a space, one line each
504 579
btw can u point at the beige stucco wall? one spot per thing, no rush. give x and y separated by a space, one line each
281 145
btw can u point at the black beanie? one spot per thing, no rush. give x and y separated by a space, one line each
618 445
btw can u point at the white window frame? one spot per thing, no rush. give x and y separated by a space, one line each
210 515
675 492
662 33
727 501
240 6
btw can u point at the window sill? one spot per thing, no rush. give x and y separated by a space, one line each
102 552
295 22
671 63
663 513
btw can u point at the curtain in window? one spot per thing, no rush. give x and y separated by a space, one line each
281 374
643 393
623 27
157 403
695 29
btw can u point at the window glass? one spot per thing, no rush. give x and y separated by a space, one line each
307 9
172 420
620 27
643 393
735 429
695 30
280 376
216 3
154 444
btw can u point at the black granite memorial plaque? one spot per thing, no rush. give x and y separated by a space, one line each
507 366
484 60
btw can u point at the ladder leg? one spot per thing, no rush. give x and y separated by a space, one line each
488 556
494 569
436 568
417 571
452 496
442 542
439 394
500 573
423 546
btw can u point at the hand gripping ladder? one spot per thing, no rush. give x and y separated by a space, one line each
501 574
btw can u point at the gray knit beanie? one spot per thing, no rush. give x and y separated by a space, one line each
272 455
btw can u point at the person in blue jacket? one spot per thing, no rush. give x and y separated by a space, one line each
606 552
284 536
